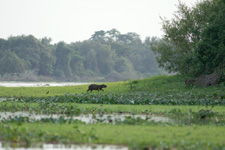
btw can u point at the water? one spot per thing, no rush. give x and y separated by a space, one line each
68 147
40 84
89 118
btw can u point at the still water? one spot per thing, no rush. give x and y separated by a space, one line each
39 84
86 118
67 147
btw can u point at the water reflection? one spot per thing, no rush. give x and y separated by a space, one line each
67 147
40 84
86 118
114 118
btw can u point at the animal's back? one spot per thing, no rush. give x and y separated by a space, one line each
96 87
93 87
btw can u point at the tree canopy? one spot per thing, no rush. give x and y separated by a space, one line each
194 40
107 55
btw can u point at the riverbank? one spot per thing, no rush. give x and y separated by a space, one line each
158 112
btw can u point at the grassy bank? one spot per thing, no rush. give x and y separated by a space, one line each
197 113
161 85
175 137
117 87
74 108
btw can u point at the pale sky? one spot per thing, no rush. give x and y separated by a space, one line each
77 20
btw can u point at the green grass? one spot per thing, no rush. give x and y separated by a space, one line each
117 87
188 137
167 90
172 84
162 85
90 108
145 108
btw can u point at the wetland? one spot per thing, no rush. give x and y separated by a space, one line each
158 112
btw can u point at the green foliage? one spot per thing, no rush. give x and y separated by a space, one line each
192 113
168 56
104 54
11 63
194 39
160 137
140 98
210 50
204 113
122 64
42 106
35 55
62 65
159 90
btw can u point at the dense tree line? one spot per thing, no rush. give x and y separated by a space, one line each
194 41
107 55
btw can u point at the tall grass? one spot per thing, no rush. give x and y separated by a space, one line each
162 85
172 84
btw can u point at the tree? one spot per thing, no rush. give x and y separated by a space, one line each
168 56
46 62
210 49
120 49
98 36
91 61
11 63
46 41
76 64
194 39
4 45
106 53
129 38
113 35
26 48
104 58
63 57
122 64
35 54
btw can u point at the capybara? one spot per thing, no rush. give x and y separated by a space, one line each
96 87
190 82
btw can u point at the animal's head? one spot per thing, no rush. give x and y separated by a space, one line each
103 85
189 82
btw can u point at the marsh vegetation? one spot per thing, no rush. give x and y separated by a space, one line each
158 112
183 111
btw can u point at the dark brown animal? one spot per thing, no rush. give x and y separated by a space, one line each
96 87
190 82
